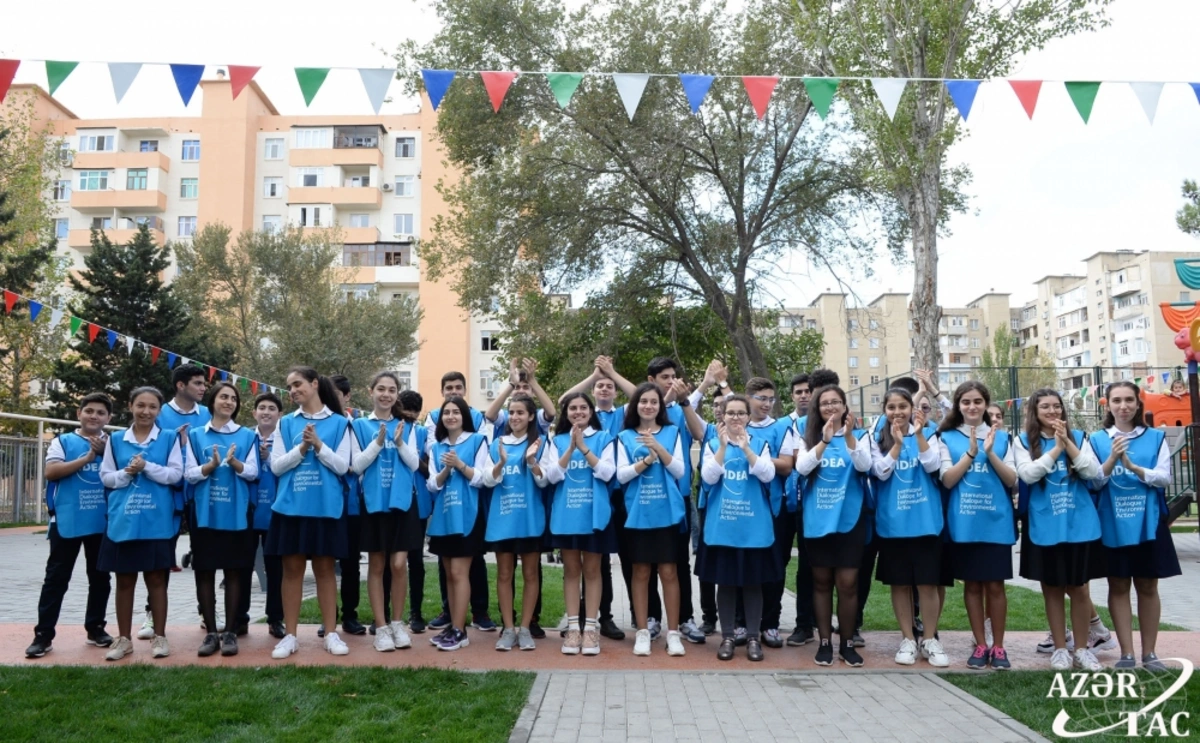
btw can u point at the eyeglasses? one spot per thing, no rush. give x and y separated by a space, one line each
738 414
831 404
764 398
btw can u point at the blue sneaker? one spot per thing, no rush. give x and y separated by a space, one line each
691 632
440 622
484 624
453 640
655 628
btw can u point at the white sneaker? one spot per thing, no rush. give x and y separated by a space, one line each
1061 660
1101 639
1047 646
383 640
675 643
122 647
932 650
907 654
159 647
400 637
987 632
147 630
285 647
641 642
1086 660
335 646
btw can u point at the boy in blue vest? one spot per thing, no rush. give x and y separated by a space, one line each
267 410
801 388
75 501
349 567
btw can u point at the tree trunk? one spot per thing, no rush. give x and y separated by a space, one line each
750 357
921 204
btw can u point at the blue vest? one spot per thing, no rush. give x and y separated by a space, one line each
262 490
456 505
710 434
516 509
793 486
581 503
678 419
652 499
420 486
1061 510
222 500
612 421
143 509
773 436
77 500
739 506
834 493
980 507
1129 508
169 417
387 484
310 488
908 504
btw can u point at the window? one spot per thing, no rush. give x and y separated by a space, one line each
873 325
273 149
976 360
974 343
272 223
360 220
488 341
61 228
852 362
1185 296
102 223
96 142
65 156
874 379
852 326
310 177
187 226
875 399
310 216
62 191
148 145
956 321
873 343
974 324
854 343
312 139
358 181
272 187
406 185
402 224
812 325
874 361
406 147
489 381
189 188
405 377
93 180
135 179
191 150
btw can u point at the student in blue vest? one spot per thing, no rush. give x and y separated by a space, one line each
579 462
224 463
1135 469
267 409
458 468
801 387
978 469
909 521
650 464
516 519
348 570
75 502
390 524
310 455
140 467
1063 550
708 590
408 405
833 461
737 547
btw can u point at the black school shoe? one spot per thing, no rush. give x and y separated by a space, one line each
536 631
800 636
850 656
754 649
99 638
609 629
277 629
824 655
321 630
725 651
229 644
416 624
354 627
210 645
40 647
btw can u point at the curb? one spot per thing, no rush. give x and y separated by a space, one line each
523 728
1012 724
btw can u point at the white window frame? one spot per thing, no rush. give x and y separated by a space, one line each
318 177
62 190
406 185
62 227
96 142
190 147
272 223
272 187
311 139
399 226
100 177
489 341
406 145
183 185
273 148
360 220
852 362
186 227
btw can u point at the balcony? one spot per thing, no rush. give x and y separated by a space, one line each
1120 289
305 158
1127 312
350 235
114 160
145 200
365 196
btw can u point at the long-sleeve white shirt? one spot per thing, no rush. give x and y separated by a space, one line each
883 465
626 471
194 472
491 482
604 470
1031 470
337 460
168 474
711 471
407 450
860 455
1157 477
482 465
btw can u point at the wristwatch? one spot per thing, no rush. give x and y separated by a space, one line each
685 403
723 384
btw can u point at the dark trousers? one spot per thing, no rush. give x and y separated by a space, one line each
683 571
785 535
866 570
708 602
416 577
64 552
804 579
273 565
479 587
606 591
351 589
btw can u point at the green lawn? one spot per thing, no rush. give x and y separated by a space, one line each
292 703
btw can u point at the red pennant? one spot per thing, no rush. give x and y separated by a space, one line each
154 352
253 387
10 299
497 84
8 70
759 89
93 331
1010 402
240 76
211 371
1027 92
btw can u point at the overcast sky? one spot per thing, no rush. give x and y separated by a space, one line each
1046 193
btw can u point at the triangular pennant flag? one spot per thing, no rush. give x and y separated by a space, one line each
8 70
56 72
10 299
123 75
437 82
187 77
34 308
75 324
224 376
376 82
1027 93
1010 403
759 89
962 92
1083 95
630 86
184 361
128 345
93 330
111 335
239 77
563 85
497 84
56 317
154 352
311 79
696 88
1150 380
1147 95
244 383
889 90
1166 377
253 387
1195 89
211 371
170 360
820 92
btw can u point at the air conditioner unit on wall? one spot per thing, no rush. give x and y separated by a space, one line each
386 187
491 394
403 237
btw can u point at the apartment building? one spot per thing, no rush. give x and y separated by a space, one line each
242 163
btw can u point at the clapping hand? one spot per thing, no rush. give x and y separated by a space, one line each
136 465
989 441
973 448
531 452
229 455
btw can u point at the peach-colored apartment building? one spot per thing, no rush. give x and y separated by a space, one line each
241 163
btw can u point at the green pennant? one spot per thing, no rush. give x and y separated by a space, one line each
75 324
244 383
820 91
310 79
563 85
1083 95
56 72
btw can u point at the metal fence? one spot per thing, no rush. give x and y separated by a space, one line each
20 480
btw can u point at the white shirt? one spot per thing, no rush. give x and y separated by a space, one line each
791 440
981 432
711 471
168 474
860 455
283 459
882 464
491 482
1158 477
483 465
1031 470
55 453
407 450
193 473
603 471
626 471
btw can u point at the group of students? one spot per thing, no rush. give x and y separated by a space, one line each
589 478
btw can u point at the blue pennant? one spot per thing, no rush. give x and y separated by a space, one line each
696 87
187 77
962 92
436 84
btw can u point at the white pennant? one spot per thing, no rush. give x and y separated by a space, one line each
56 317
630 87
889 90
184 361
376 82
123 74
1147 94
128 345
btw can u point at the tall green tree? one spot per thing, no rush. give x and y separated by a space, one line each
925 41
120 288
692 209
1005 358
1188 216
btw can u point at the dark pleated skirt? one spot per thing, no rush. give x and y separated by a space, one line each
651 546
1067 564
598 542
390 531
307 535
517 546
838 550
215 549
979 561
1154 559
738 566
911 561
135 556
461 545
